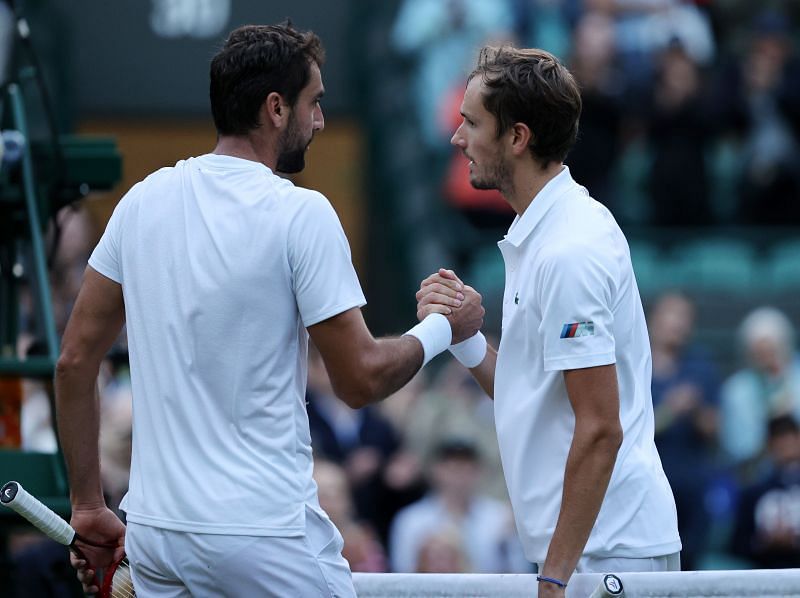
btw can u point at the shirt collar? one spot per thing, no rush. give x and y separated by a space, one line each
523 225
231 162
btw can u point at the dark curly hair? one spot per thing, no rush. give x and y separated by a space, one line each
255 61
531 86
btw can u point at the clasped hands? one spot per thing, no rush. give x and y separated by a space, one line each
444 293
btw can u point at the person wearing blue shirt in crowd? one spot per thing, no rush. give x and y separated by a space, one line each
685 391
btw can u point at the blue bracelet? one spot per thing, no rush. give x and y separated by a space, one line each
552 580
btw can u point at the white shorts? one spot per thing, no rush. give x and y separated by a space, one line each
173 564
656 564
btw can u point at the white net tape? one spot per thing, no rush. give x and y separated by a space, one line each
722 584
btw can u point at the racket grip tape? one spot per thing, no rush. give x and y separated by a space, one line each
15 497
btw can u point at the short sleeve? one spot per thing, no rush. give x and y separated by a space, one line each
323 278
106 258
576 288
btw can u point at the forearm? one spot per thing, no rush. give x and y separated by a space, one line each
484 372
388 366
95 322
364 370
78 417
588 470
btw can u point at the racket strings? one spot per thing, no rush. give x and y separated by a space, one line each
121 581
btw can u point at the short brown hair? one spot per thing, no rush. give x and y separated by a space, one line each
255 61
532 87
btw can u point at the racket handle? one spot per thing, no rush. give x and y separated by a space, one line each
15 497
610 587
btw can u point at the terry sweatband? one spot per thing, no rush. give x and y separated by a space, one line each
434 333
471 351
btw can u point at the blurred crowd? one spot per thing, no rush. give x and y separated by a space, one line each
415 483
712 102
691 108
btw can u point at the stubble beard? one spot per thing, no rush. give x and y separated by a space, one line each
497 177
292 154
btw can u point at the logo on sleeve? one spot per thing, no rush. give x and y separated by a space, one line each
576 329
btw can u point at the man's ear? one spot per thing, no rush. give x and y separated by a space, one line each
521 138
275 110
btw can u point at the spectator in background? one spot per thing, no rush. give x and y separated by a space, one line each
454 505
362 548
768 386
398 408
41 568
454 406
116 423
441 37
36 419
645 27
593 63
545 24
403 479
759 100
685 398
362 441
767 530
72 237
680 131
443 551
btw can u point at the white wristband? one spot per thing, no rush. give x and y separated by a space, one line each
471 351
434 333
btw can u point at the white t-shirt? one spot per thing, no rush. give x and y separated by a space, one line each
485 530
570 302
223 265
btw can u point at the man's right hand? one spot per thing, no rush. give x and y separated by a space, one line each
444 293
102 526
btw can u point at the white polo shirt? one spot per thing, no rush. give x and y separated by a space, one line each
570 302
223 265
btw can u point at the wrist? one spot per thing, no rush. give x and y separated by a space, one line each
552 580
434 334
87 505
471 352
86 497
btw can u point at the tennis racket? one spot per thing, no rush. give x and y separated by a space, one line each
610 587
116 582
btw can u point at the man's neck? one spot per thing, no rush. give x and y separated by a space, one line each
529 180
247 147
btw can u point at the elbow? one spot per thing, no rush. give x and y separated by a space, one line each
72 364
67 364
355 394
355 398
356 401
359 387
611 437
605 438
619 436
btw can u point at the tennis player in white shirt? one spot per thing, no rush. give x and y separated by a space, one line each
221 270
571 377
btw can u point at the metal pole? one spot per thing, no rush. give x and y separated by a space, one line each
34 220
